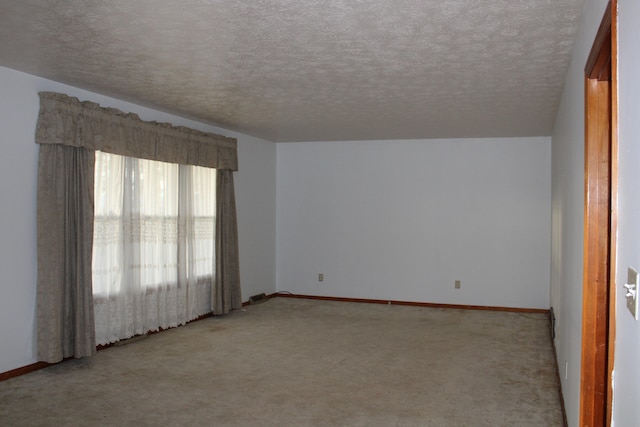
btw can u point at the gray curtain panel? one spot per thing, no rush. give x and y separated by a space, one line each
226 294
69 132
65 240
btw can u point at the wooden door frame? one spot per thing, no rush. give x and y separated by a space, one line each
600 224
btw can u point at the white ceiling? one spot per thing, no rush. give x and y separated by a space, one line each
301 70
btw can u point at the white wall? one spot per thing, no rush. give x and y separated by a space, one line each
255 185
627 351
404 219
567 212
18 165
19 104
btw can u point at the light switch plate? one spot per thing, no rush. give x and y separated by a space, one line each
631 292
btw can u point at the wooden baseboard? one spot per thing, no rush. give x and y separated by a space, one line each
23 370
40 365
411 303
555 361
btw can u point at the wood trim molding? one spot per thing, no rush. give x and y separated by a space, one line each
40 365
614 209
411 303
24 370
597 66
600 222
561 394
596 256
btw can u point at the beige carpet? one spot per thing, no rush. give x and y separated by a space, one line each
293 362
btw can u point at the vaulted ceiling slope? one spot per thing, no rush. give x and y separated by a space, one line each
303 70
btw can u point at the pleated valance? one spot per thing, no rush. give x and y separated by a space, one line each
68 121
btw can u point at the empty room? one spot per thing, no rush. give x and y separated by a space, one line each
320 213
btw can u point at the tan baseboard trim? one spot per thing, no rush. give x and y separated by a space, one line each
23 370
411 303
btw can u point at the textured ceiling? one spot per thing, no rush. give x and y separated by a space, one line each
300 70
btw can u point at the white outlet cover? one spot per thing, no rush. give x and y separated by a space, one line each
631 295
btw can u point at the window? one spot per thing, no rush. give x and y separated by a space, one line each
71 319
154 244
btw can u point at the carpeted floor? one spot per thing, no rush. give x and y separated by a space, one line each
295 362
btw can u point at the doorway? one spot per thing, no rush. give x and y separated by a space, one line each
600 222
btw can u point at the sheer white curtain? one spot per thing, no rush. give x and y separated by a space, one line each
153 250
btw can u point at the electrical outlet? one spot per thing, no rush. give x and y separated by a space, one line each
457 284
320 277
